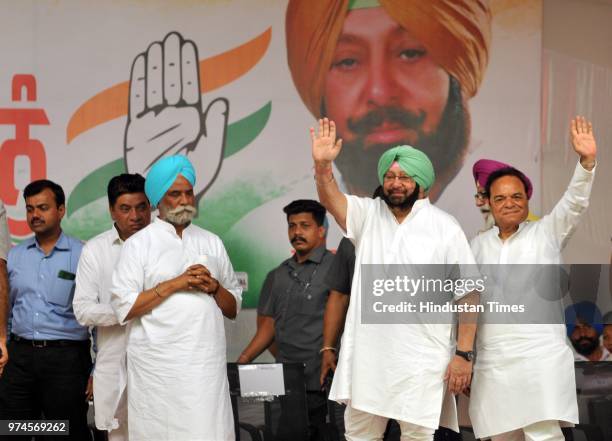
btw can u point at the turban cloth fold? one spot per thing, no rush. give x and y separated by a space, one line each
484 167
163 174
413 162
457 34
585 311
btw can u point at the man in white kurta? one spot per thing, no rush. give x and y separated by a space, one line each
395 370
524 382
131 212
174 283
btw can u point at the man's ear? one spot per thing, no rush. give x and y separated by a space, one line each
322 232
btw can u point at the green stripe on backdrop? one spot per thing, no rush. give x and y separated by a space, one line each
93 186
243 132
239 134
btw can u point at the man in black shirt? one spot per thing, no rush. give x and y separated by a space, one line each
292 302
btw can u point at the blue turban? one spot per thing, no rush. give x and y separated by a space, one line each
163 174
586 312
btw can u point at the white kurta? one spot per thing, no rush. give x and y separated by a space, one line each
397 370
177 375
525 373
92 307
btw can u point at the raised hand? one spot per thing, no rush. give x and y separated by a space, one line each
325 147
583 140
166 115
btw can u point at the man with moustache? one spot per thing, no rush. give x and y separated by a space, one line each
174 283
396 370
294 296
4 249
481 170
390 72
515 361
49 361
584 327
130 210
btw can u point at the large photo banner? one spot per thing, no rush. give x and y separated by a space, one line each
92 89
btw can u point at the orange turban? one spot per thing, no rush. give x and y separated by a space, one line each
456 33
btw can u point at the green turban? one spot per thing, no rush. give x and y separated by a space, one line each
413 162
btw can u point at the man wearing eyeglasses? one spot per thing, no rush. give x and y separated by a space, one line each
292 304
398 370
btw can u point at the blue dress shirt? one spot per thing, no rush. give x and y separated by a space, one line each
41 290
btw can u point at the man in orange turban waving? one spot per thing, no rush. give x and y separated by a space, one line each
390 72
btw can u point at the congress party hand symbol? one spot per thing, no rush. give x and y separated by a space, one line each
166 115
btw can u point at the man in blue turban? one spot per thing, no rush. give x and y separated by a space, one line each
174 283
584 327
172 170
163 174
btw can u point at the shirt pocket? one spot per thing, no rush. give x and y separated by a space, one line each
61 292
312 300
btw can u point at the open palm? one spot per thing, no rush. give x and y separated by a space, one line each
166 113
325 147
583 139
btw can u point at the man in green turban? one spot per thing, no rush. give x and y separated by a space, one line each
384 371
414 163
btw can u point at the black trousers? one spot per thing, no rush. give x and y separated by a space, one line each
288 422
317 414
46 383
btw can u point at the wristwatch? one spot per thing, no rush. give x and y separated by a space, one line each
469 355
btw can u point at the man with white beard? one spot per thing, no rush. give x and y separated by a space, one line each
174 282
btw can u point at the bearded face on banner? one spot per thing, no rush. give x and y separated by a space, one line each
390 72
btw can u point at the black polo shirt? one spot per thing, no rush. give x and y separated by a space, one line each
295 294
340 274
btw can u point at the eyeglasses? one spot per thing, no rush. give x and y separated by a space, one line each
404 179
481 196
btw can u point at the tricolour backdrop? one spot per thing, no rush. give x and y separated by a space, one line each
74 108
